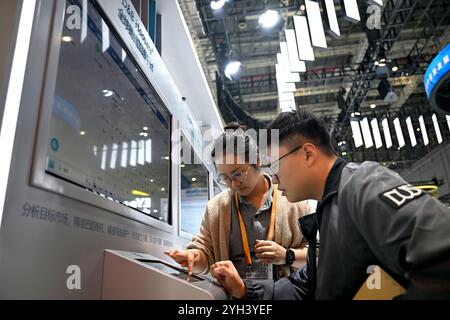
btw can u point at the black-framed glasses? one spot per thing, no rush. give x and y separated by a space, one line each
274 165
236 177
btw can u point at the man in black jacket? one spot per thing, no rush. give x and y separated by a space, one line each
366 215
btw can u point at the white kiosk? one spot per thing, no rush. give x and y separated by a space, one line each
87 124
131 275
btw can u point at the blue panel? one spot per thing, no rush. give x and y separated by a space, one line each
437 69
152 19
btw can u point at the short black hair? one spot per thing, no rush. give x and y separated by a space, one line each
304 124
237 136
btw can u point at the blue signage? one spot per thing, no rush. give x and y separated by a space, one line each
437 69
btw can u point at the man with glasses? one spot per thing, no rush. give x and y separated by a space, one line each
366 215
250 223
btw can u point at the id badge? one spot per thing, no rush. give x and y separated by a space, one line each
259 271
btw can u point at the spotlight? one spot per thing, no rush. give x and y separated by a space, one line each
269 19
217 4
233 70
107 93
219 9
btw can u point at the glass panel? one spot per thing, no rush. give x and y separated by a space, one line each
109 130
194 193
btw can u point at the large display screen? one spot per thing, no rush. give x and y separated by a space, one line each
109 130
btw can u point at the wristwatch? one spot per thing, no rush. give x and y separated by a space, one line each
290 256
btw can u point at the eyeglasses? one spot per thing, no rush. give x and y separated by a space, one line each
274 165
236 177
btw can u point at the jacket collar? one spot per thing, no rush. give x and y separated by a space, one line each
310 223
332 182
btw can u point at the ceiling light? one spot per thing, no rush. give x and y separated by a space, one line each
387 133
351 10
356 130
194 179
269 19
139 193
437 129
376 133
395 68
399 132
82 133
217 4
373 106
151 180
365 128
66 39
107 93
162 189
316 29
232 70
145 128
242 23
423 128
412 135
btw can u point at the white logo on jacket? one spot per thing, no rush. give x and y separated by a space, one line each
402 194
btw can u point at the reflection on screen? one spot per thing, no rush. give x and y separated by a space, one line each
109 130
194 192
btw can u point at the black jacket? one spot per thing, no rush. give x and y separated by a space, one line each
369 216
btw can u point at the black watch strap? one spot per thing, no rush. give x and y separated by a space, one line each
290 256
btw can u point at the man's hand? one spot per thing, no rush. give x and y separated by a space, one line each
228 277
187 258
270 252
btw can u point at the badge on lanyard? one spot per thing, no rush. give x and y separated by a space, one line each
257 270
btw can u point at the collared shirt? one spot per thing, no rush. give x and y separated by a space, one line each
257 222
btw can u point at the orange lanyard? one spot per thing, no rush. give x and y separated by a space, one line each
270 233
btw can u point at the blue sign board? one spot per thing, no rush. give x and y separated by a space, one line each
437 69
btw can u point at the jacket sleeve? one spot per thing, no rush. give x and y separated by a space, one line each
294 287
404 227
203 241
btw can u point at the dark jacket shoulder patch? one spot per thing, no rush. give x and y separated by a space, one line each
401 195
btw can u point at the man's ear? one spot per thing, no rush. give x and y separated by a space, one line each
310 152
